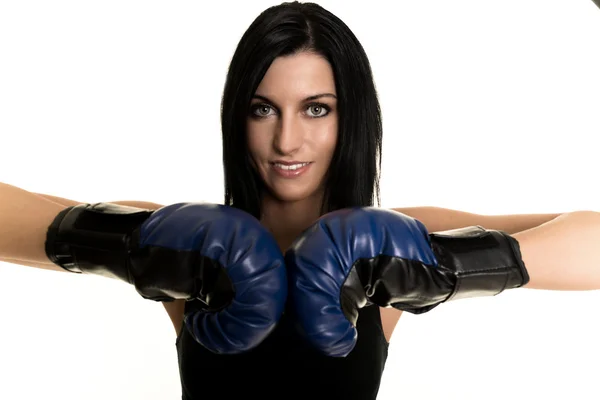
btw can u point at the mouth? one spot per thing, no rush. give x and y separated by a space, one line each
290 169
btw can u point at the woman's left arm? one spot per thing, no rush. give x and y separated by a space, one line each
561 251
564 253
438 219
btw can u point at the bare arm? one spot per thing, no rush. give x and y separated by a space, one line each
25 217
438 219
133 203
560 251
563 254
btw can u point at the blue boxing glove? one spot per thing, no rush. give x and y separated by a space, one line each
216 254
354 257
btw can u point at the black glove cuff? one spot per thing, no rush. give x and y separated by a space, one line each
94 238
485 262
56 251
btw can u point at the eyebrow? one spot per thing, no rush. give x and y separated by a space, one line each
309 98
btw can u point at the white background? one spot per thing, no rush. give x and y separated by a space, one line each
489 107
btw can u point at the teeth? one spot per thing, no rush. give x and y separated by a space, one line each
290 167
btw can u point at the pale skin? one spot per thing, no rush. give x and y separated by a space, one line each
558 249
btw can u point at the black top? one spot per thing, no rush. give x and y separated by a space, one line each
285 367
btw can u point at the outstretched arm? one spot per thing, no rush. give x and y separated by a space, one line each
438 219
564 253
25 217
24 220
560 251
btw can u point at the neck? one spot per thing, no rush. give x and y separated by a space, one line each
286 220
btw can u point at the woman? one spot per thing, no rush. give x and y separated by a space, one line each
302 138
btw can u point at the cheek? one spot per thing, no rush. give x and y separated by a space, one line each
327 139
257 141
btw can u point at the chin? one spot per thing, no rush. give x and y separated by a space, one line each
290 195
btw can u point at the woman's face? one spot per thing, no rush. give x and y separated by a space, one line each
292 126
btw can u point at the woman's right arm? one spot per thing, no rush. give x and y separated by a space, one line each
24 221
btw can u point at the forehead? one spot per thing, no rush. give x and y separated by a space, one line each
299 75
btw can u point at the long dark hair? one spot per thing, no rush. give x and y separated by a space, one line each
286 29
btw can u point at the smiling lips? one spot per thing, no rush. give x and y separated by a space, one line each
290 169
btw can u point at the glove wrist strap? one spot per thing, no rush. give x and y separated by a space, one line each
485 262
94 238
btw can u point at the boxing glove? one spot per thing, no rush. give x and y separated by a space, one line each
354 257
218 255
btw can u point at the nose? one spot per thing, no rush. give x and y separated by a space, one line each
289 136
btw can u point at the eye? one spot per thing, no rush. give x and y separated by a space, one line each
318 110
261 110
